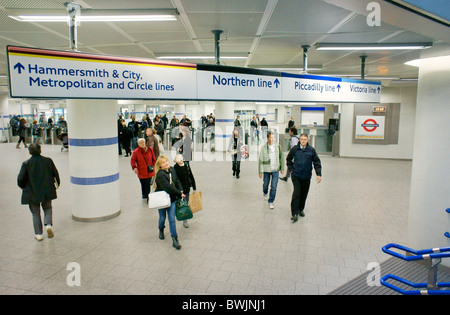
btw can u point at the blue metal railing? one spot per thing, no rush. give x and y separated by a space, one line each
422 287
432 253
447 234
435 256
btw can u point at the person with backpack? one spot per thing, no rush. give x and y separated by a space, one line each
14 123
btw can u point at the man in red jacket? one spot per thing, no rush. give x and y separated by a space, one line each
142 162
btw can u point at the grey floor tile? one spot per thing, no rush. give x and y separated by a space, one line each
235 245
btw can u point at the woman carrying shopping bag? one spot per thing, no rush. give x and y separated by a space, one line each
167 180
186 178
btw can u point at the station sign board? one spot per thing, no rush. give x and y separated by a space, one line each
231 83
41 73
314 88
62 74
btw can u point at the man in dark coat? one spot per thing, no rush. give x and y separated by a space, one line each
39 179
300 162
127 135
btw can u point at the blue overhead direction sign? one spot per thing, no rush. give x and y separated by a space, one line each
237 84
328 89
43 73
39 73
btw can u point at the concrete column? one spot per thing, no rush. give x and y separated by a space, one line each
271 115
180 111
262 111
224 125
4 117
430 177
93 159
139 111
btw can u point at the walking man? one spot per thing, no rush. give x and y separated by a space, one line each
39 179
300 161
270 163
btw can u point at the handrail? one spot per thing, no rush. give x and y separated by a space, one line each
447 234
384 282
432 253
431 288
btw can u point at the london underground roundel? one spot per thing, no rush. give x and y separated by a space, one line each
370 125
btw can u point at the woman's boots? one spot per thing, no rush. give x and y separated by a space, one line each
175 242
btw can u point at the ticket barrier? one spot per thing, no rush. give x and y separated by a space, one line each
28 136
12 135
50 135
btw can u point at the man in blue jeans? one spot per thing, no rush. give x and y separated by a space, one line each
270 163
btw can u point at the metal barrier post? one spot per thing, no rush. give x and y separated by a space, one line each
432 274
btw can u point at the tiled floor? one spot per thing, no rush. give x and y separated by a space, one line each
236 245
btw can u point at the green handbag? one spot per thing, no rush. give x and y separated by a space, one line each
183 212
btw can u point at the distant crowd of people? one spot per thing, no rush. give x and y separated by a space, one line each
20 125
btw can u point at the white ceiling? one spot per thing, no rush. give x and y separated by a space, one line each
270 32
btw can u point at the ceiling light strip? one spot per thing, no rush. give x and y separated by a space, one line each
94 15
377 46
